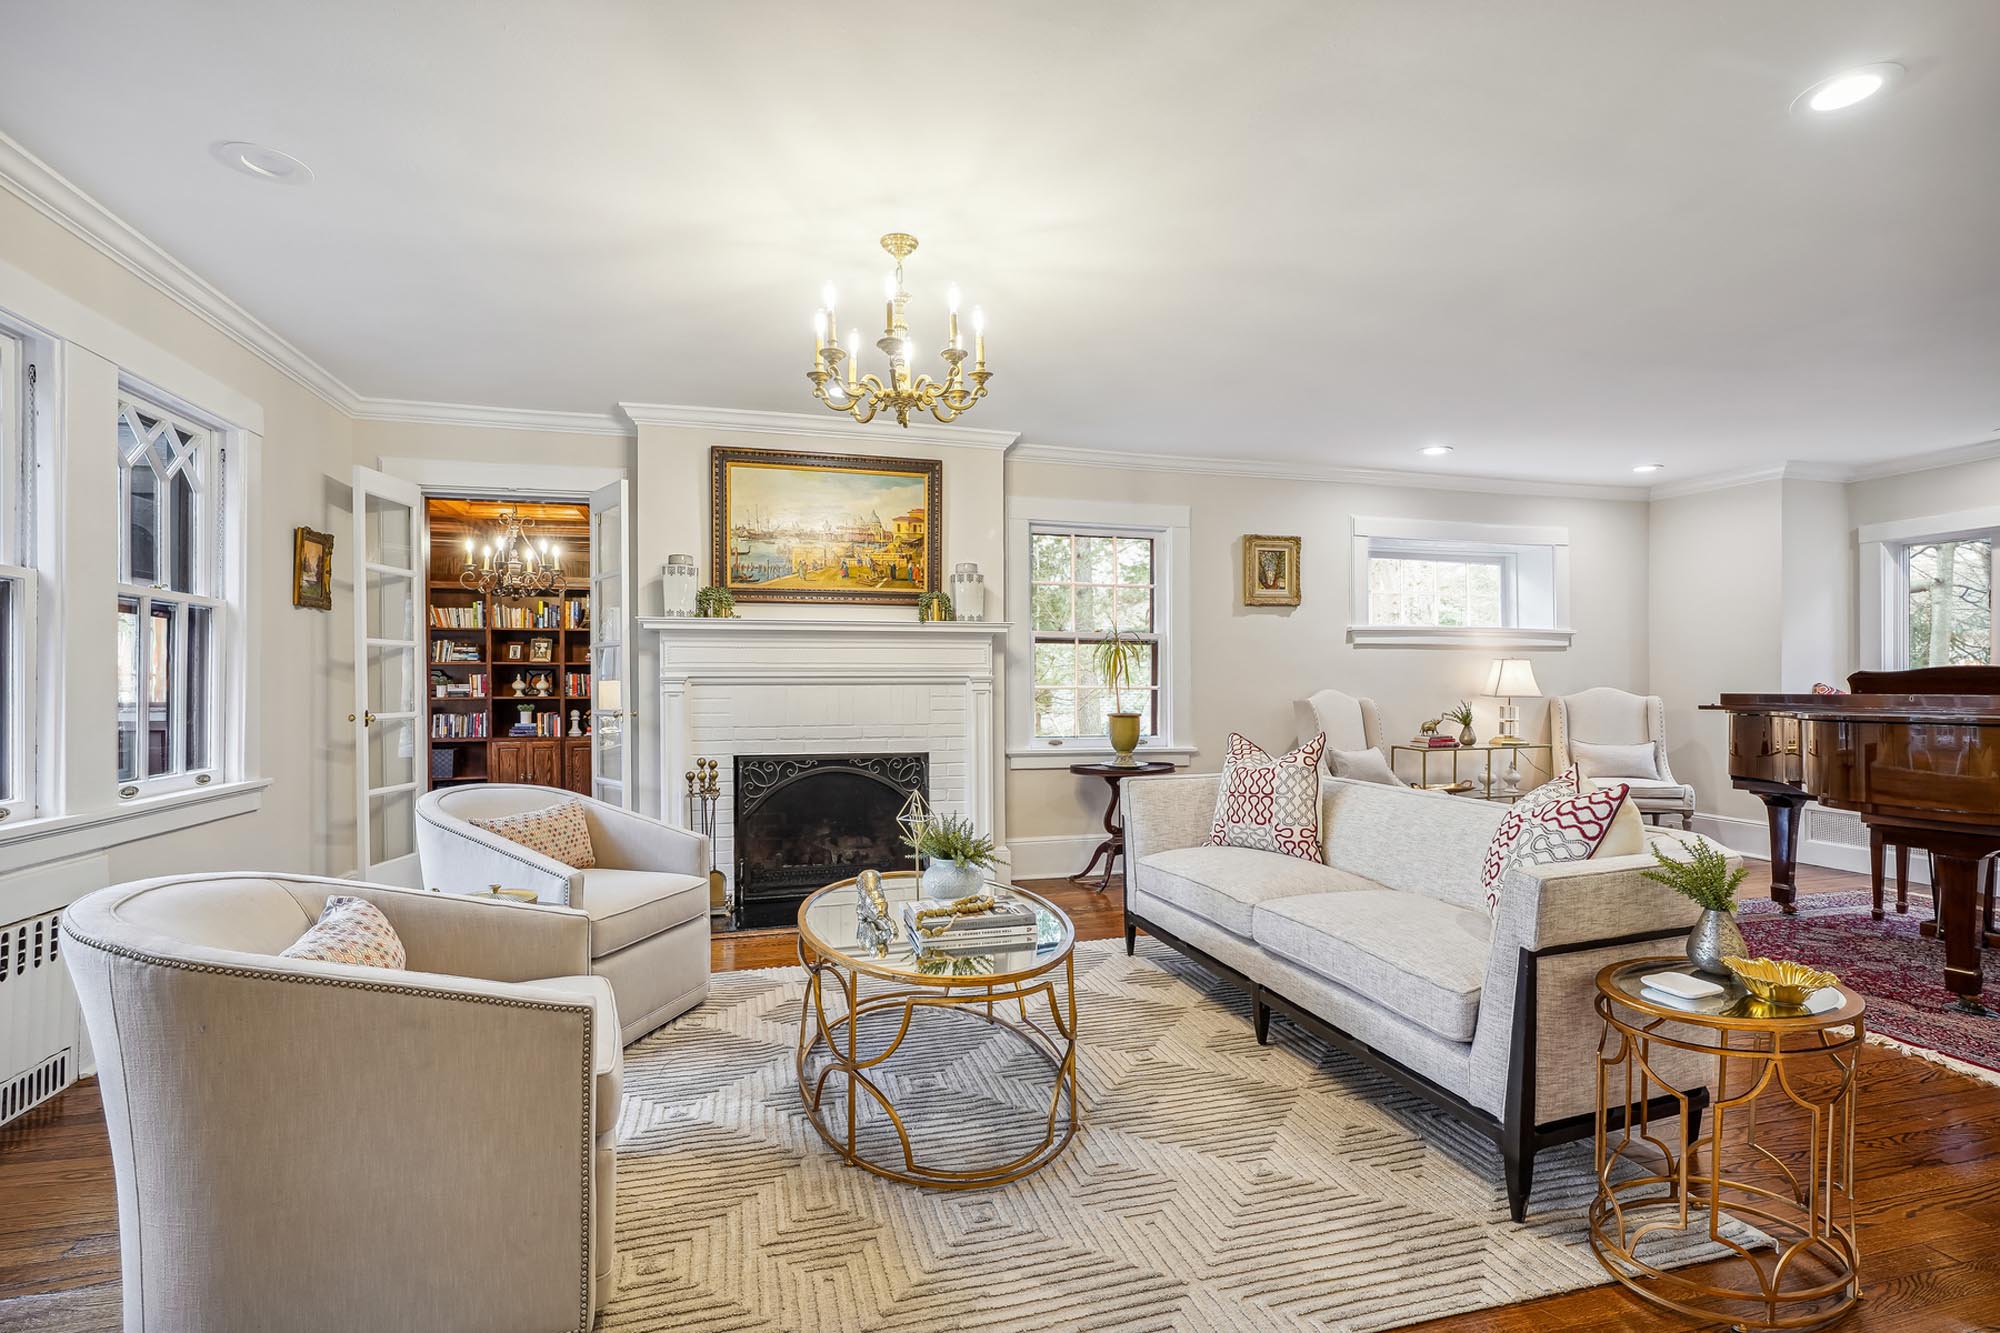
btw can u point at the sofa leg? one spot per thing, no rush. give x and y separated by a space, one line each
1518 1160
1261 1015
1131 938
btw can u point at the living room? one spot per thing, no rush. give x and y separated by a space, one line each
1326 563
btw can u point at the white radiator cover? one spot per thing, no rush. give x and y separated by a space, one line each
41 1027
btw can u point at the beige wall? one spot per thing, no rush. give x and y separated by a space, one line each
305 658
1251 664
375 441
1941 490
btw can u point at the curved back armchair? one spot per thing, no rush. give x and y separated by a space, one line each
316 1146
1347 722
1609 717
646 898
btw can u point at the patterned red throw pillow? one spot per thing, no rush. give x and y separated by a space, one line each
350 930
1267 804
1567 783
559 832
1567 828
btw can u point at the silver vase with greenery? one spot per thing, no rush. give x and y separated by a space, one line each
1706 878
956 858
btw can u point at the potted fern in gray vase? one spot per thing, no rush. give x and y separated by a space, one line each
956 857
1706 878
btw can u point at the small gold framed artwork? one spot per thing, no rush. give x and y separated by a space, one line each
1270 570
312 569
515 651
541 650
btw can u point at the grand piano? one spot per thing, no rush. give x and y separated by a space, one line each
1915 753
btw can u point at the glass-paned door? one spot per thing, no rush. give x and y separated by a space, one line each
386 557
610 584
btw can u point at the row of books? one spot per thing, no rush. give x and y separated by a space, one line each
455 650
472 687
459 727
539 615
576 684
543 724
459 617
576 613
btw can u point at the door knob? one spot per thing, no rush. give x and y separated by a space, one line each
367 718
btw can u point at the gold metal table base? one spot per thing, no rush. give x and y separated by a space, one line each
830 1045
1809 1276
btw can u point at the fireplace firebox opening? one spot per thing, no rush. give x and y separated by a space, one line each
804 821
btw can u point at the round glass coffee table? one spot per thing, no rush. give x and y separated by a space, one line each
948 1069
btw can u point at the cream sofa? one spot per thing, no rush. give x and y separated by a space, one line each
1386 949
646 898
313 1146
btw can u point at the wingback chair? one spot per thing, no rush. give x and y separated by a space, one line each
1613 736
323 1147
1347 722
646 898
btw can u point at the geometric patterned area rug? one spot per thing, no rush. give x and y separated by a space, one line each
1214 1184
1891 963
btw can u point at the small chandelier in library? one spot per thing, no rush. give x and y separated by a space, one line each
904 391
513 564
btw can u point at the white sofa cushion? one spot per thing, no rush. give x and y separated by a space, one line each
1223 884
626 906
1403 838
1420 958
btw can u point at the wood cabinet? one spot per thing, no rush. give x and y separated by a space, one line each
527 761
576 765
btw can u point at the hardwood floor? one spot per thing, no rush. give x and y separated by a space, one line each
1928 1150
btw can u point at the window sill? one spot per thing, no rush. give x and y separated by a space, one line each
1041 756
36 842
1453 636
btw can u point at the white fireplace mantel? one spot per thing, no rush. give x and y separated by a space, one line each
781 686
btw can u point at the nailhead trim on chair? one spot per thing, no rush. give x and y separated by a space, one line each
497 851
589 1012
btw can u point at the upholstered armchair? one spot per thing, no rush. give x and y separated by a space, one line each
646 899
323 1147
1348 723
1613 736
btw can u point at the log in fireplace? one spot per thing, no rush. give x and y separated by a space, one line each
803 821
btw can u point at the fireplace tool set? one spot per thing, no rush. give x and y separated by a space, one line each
704 793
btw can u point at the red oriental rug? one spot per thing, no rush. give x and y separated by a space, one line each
1892 964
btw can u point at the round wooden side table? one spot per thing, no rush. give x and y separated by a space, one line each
1113 845
1808 1273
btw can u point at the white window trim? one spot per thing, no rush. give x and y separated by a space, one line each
1173 613
20 658
1883 586
1474 539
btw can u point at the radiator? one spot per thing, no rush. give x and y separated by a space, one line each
41 1028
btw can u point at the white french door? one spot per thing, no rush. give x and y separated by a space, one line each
391 753
611 690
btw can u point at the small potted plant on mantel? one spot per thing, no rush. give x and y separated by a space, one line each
956 857
1705 877
1118 657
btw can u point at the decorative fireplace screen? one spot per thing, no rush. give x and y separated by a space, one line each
803 821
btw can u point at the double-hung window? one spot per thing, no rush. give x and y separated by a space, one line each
1947 602
17 580
1081 574
171 470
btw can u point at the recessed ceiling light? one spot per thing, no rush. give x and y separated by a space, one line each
266 164
1848 88
1650 467
1435 450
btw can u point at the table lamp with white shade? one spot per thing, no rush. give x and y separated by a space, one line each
610 704
1511 678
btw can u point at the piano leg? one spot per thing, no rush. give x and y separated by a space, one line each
1782 808
1958 907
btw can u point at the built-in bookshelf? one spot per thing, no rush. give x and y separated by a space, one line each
507 698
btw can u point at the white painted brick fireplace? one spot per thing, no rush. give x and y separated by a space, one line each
730 687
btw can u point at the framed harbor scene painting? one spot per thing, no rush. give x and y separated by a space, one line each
792 527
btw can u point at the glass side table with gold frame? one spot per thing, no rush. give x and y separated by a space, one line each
1505 787
875 1026
1806 1059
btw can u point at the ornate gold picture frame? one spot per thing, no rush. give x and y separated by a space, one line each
312 569
1270 570
797 527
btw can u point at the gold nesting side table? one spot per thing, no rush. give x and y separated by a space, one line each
1807 1062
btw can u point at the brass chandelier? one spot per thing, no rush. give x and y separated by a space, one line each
905 391
511 565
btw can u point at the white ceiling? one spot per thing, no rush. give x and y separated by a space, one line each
1563 237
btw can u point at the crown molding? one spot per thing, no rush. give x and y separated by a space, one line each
1926 462
412 412
1276 470
826 426
51 194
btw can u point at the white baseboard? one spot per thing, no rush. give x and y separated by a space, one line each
1056 857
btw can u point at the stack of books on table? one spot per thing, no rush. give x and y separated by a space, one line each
1435 742
1010 924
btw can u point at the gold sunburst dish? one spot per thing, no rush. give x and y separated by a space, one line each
1779 982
